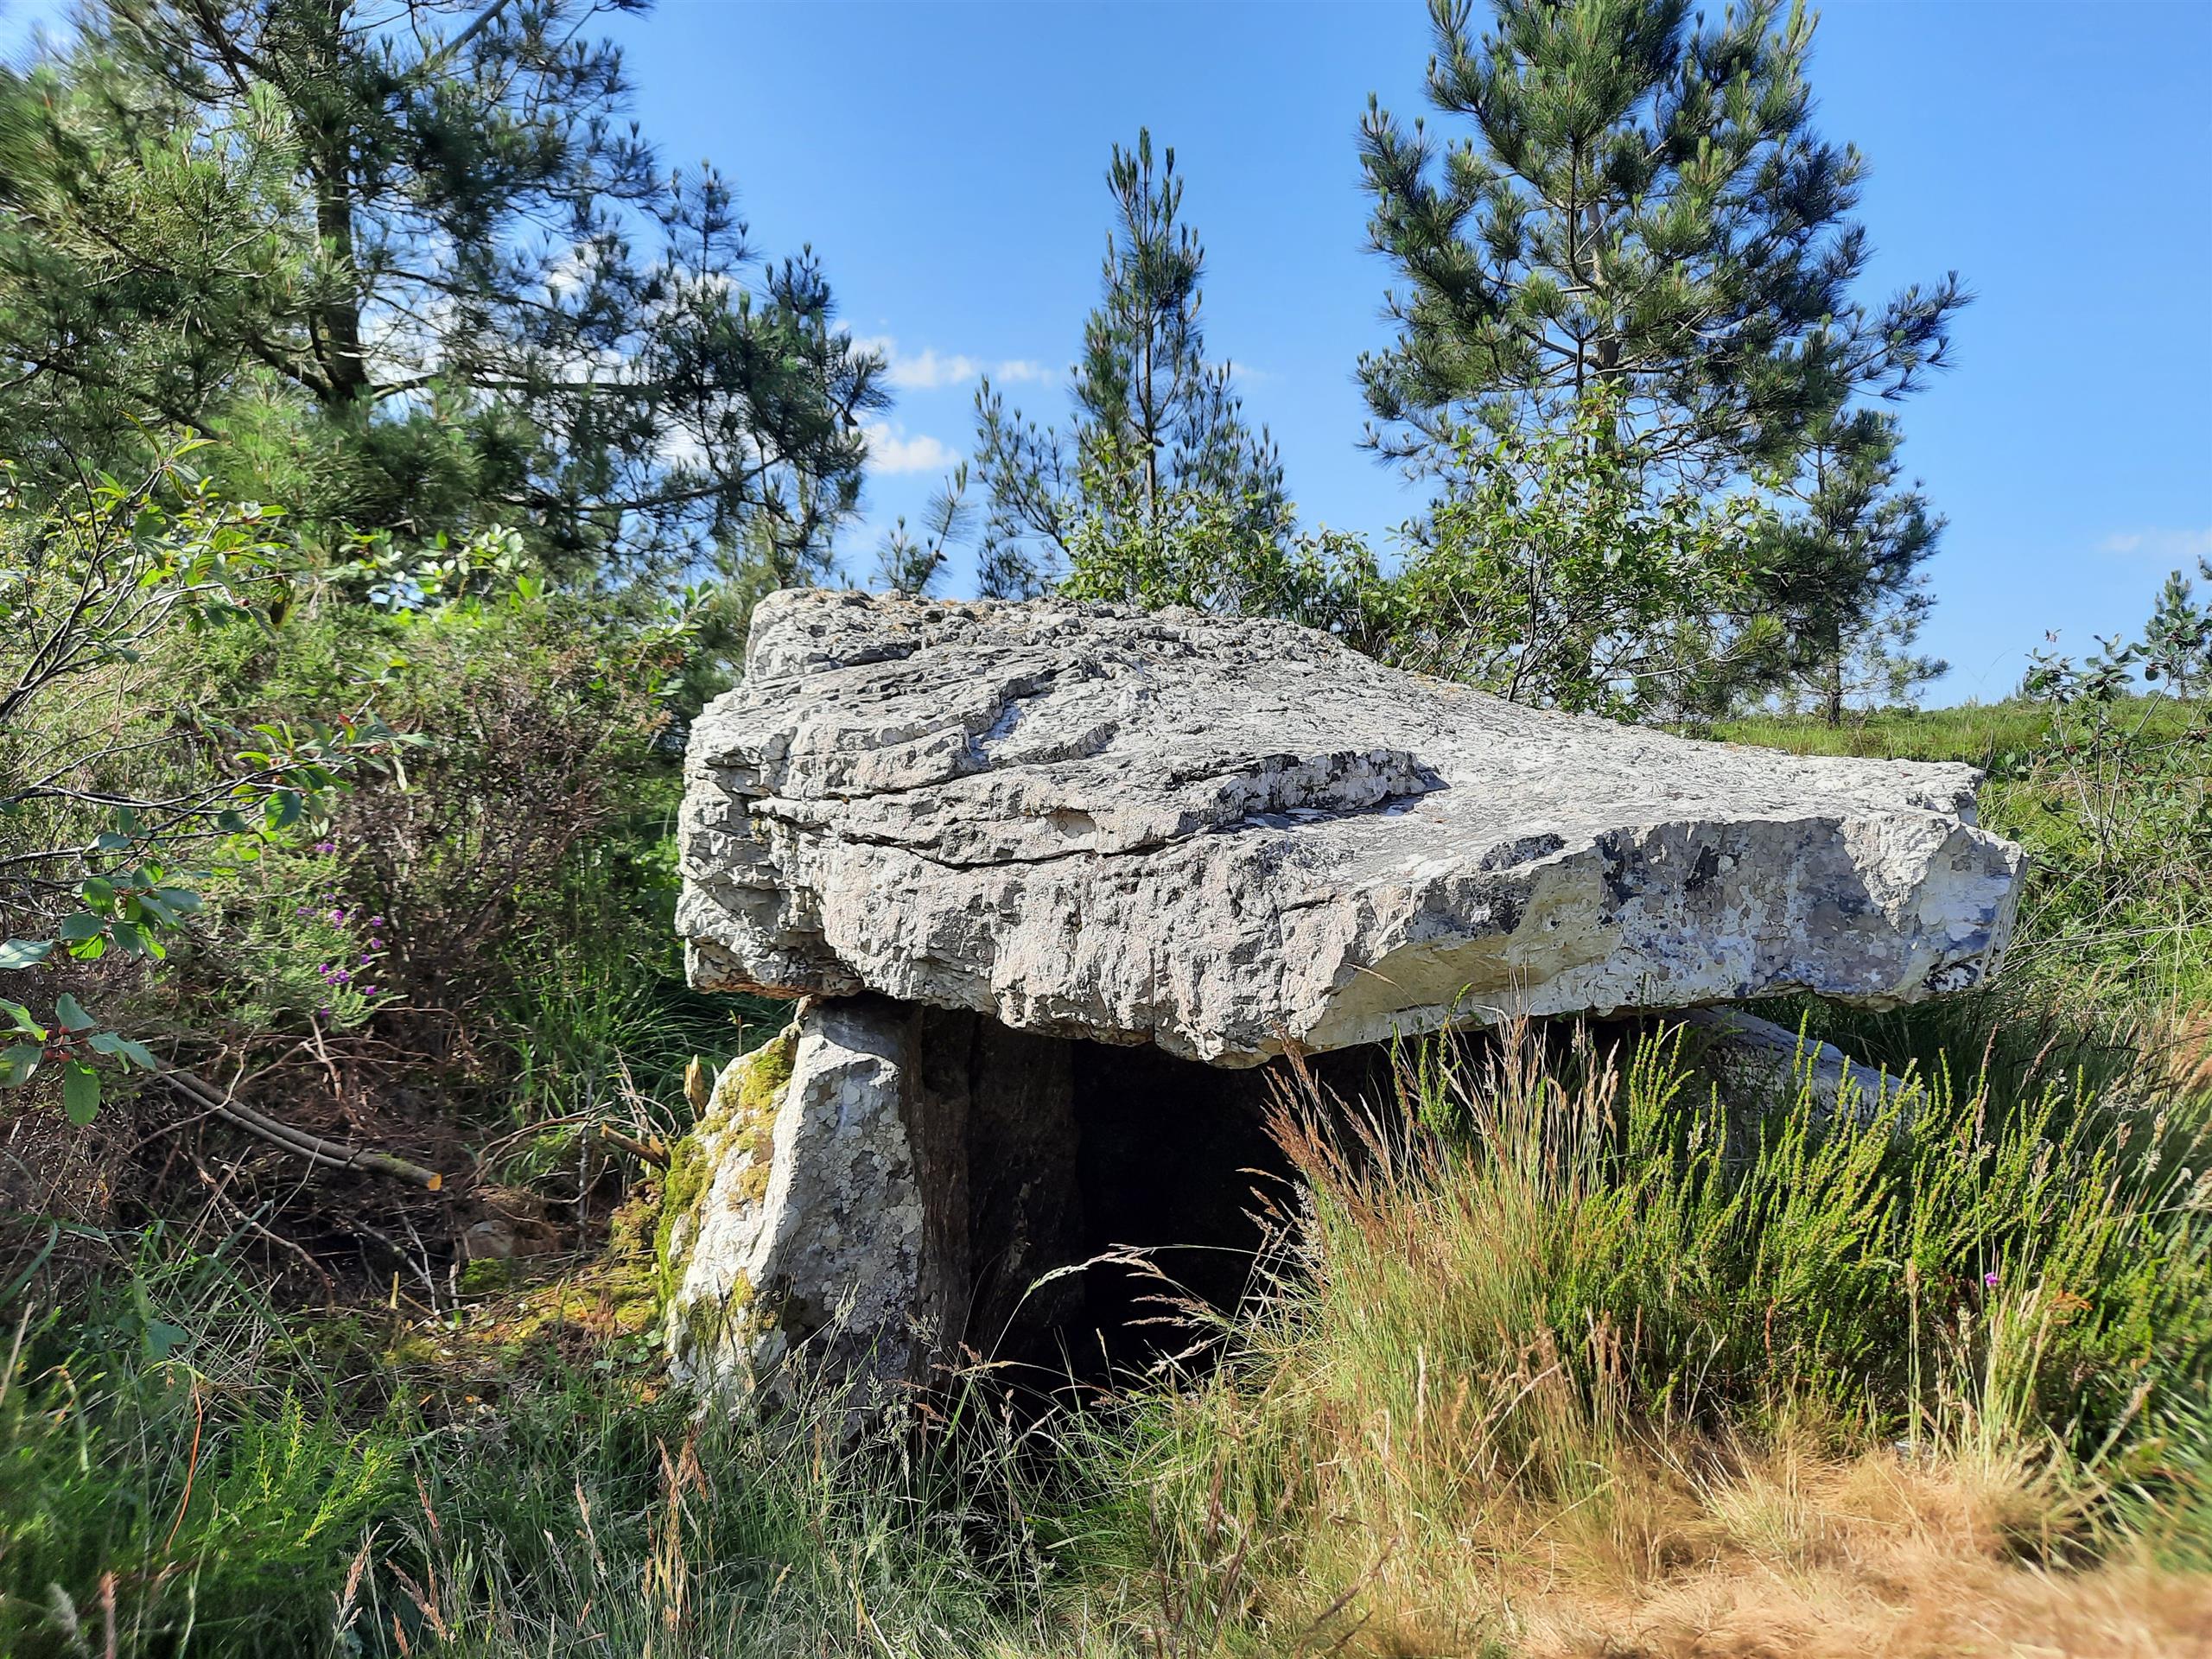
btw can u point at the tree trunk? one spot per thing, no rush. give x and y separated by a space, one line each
336 320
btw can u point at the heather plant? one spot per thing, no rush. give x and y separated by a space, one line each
298 948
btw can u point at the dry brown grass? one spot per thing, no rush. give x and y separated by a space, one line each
1784 1555
1877 1558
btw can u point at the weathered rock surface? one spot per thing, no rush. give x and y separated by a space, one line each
807 1218
872 1184
1758 1062
1226 837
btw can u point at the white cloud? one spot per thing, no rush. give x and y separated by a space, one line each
927 371
2167 546
890 450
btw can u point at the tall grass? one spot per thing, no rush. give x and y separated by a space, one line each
1546 1323
229 1491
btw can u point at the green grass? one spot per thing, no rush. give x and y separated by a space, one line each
250 1493
2109 978
1538 1342
2000 737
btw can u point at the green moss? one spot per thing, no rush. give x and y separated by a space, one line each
744 1103
485 1276
703 1325
755 1088
681 1189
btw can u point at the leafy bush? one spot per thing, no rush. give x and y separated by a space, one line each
1560 571
113 788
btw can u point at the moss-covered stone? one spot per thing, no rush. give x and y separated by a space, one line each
756 1085
741 1118
485 1276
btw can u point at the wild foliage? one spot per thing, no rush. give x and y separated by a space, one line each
122 805
1562 572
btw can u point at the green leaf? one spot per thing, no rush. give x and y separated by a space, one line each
108 841
81 1092
115 1045
71 1013
18 954
98 892
21 1017
75 930
19 1064
182 901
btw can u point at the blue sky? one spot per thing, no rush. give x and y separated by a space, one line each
946 163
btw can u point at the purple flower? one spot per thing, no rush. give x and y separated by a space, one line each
325 1013
326 846
376 921
376 944
1989 1280
301 911
368 990
337 915
342 975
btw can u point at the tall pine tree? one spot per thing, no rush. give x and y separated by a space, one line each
1641 210
1641 205
1843 572
1159 437
419 271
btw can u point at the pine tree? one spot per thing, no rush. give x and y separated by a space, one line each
1844 572
913 564
1159 434
1643 206
418 272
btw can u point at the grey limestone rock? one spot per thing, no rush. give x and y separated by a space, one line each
1231 837
870 1184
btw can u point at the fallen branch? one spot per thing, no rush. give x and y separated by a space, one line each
646 1152
329 1155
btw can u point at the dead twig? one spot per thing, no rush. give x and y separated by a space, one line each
330 1154
646 1152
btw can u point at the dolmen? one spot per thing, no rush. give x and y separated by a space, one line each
1053 884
